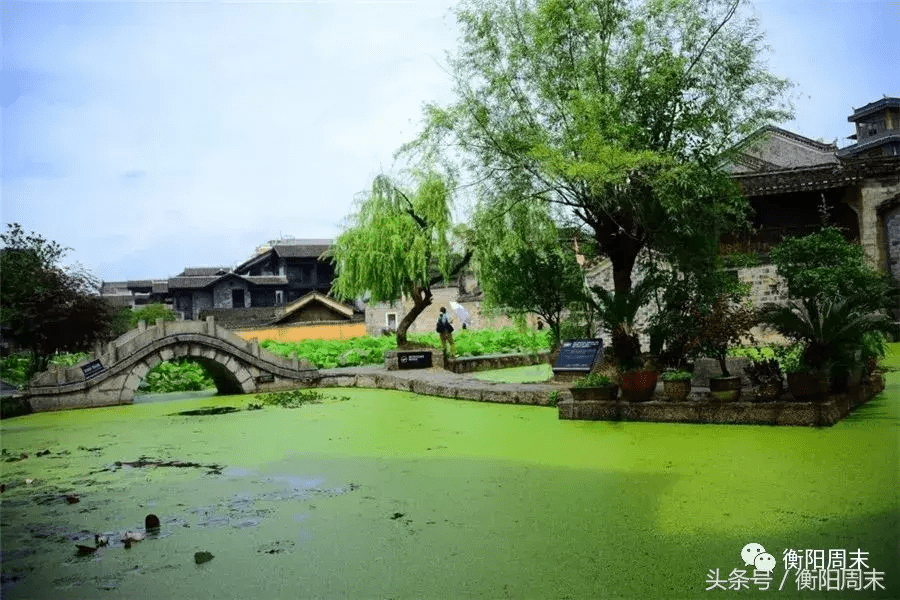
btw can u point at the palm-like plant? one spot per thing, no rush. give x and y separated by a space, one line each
831 329
617 313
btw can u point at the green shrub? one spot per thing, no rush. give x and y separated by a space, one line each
14 368
150 313
553 398
677 376
182 376
790 357
366 350
592 380
754 353
291 398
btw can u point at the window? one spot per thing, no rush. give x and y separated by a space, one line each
279 297
391 321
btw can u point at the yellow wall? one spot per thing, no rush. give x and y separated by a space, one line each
313 331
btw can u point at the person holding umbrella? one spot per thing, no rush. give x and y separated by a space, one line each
445 329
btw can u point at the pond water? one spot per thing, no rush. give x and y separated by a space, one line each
381 494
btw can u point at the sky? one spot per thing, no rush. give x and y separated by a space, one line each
153 136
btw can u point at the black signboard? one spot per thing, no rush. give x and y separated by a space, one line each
578 355
265 378
92 368
414 360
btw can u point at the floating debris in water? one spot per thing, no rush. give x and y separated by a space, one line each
202 557
145 461
151 522
72 498
201 412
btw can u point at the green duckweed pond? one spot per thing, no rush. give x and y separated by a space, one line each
382 494
530 374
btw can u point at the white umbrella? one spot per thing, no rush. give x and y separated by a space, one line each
461 312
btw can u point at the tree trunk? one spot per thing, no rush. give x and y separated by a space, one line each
724 366
421 298
621 249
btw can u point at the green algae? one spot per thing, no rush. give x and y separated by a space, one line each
529 374
493 500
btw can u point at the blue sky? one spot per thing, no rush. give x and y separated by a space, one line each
158 135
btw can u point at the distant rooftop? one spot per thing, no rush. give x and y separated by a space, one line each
874 107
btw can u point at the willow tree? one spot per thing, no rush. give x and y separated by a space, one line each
398 245
621 111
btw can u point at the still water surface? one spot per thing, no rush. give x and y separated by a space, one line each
383 494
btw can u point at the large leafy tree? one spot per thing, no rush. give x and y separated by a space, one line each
44 307
398 244
521 266
622 111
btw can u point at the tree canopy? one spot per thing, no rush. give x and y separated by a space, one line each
398 244
621 111
521 265
45 307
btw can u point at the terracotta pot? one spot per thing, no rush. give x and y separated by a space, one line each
677 391
638 386
606 393
807 387
768 392
725 389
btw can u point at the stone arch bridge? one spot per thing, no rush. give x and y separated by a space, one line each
111 377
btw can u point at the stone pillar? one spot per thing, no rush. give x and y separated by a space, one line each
113 355
211 326
161 328
142 325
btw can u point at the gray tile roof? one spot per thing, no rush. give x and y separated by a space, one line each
202 271
873 107
181 283
265 279
305 249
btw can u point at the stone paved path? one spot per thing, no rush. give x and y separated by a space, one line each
438 382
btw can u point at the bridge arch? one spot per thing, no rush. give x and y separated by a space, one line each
112 377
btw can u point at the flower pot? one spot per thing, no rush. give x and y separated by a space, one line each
677 391
768 392
606 393
638 386
725 389
807 387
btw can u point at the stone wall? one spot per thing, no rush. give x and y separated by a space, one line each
376 314
487 362
766 287
700 409
892 243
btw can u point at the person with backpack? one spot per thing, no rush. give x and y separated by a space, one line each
446 330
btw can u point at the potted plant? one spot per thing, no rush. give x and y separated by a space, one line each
618 312
766 378
594 386
831 332
726 323
676 384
